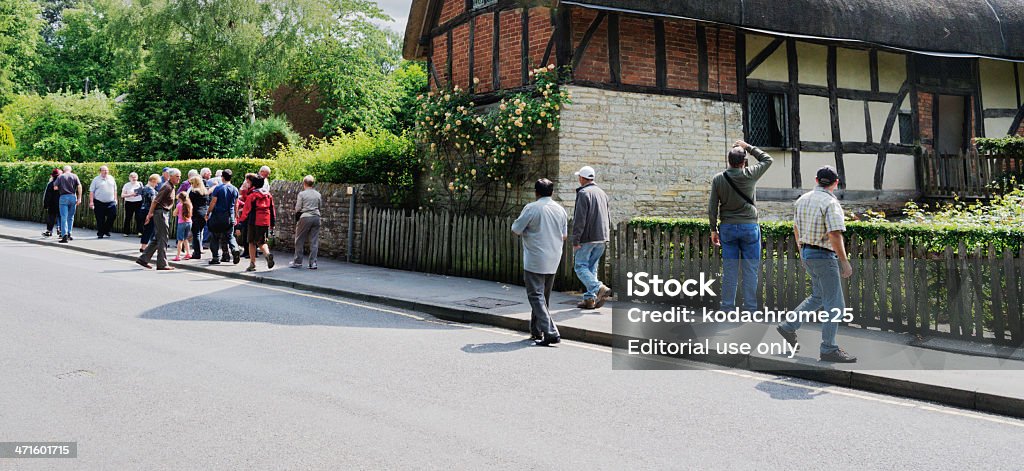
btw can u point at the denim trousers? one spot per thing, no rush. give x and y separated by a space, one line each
587 259
826 293
741 253
67 213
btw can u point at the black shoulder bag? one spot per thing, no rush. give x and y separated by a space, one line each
737 190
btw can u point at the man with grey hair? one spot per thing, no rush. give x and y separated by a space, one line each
103 201
307 222
70 188
158 211
590 235
186 185
265 175
206 174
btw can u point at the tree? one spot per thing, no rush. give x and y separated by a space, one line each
88 46
20 25
255 41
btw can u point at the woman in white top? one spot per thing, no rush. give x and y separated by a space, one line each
132 202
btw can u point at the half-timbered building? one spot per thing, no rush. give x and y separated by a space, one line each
662 88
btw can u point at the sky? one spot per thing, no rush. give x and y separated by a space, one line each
398 10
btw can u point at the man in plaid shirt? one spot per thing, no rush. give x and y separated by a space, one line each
818 226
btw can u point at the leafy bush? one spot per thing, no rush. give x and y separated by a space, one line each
381 158
62 126
6 136
1009 145
264 137
32 176
936 237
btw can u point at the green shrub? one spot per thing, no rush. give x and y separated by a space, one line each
6 136
32 176
265 137
381 158
936 237
62 126
1009 145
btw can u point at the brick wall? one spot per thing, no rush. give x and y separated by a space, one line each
450 9
721 60
510 55
460 56
439 56
540 34
654 154
681 54
924 118
594 65
636 51
483 51
334 215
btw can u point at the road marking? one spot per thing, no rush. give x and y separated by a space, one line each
734 373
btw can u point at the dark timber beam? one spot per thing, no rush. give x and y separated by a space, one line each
793 106
818 90
524 55
577 56
979 120
563 35
622 87
1016 81
873 65
761 56
833 108
660 56
614 58
851 147
496 52
741 78
867 122
1017 120
448 66
702 58
890 123
1000 112
472 52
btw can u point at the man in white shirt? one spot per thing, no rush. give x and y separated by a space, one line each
103 201
543 225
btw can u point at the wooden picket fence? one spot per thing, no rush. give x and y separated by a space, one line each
967 175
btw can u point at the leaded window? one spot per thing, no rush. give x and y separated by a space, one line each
767 120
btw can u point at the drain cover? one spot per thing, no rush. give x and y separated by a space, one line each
487 303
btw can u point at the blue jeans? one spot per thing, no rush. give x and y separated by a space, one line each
588 258
67 213
741 251
826 294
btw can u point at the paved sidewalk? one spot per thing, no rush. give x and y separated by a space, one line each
969 381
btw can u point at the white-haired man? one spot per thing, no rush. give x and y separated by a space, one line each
158 211
103 201
265 175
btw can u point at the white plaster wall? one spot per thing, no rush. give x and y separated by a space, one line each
780 175
996 127
776 67
899 172
892 71
851 121
810 162
997 85
853 69
879 113
816 119
813 62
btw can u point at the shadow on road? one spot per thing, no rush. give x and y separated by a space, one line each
787 392
253 304
496 347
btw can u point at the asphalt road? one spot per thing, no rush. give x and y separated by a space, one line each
182 370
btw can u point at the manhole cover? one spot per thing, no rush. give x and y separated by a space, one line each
76 374
487 303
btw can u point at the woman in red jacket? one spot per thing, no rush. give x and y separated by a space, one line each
260 217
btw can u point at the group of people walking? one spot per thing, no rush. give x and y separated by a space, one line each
235 222
543 226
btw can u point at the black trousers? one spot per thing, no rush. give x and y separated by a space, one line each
198 223
52 216
105 215
131 215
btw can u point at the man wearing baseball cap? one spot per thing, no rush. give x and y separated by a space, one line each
589 237
818 226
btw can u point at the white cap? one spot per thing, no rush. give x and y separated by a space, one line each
586 172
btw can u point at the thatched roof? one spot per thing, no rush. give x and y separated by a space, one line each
992 28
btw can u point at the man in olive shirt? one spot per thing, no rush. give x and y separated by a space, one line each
158 211
733 200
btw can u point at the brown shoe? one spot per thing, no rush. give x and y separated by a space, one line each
587 304
602 295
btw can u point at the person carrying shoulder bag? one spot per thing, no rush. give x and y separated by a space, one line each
732 212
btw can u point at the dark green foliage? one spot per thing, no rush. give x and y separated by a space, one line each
265 137
32 176
62 126
1010 145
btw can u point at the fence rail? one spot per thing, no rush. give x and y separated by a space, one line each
967 175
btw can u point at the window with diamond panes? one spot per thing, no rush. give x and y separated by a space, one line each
767 119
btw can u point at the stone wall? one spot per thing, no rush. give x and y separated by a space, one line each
334 215
654 154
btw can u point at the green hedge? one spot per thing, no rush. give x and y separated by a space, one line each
935 237
1009 145
32 176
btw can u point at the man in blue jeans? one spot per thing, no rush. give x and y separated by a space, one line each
589 237
818 227
70 188
733 200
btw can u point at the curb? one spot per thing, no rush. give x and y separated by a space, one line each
961 398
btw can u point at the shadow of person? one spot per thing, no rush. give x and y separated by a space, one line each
497 347
788 392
